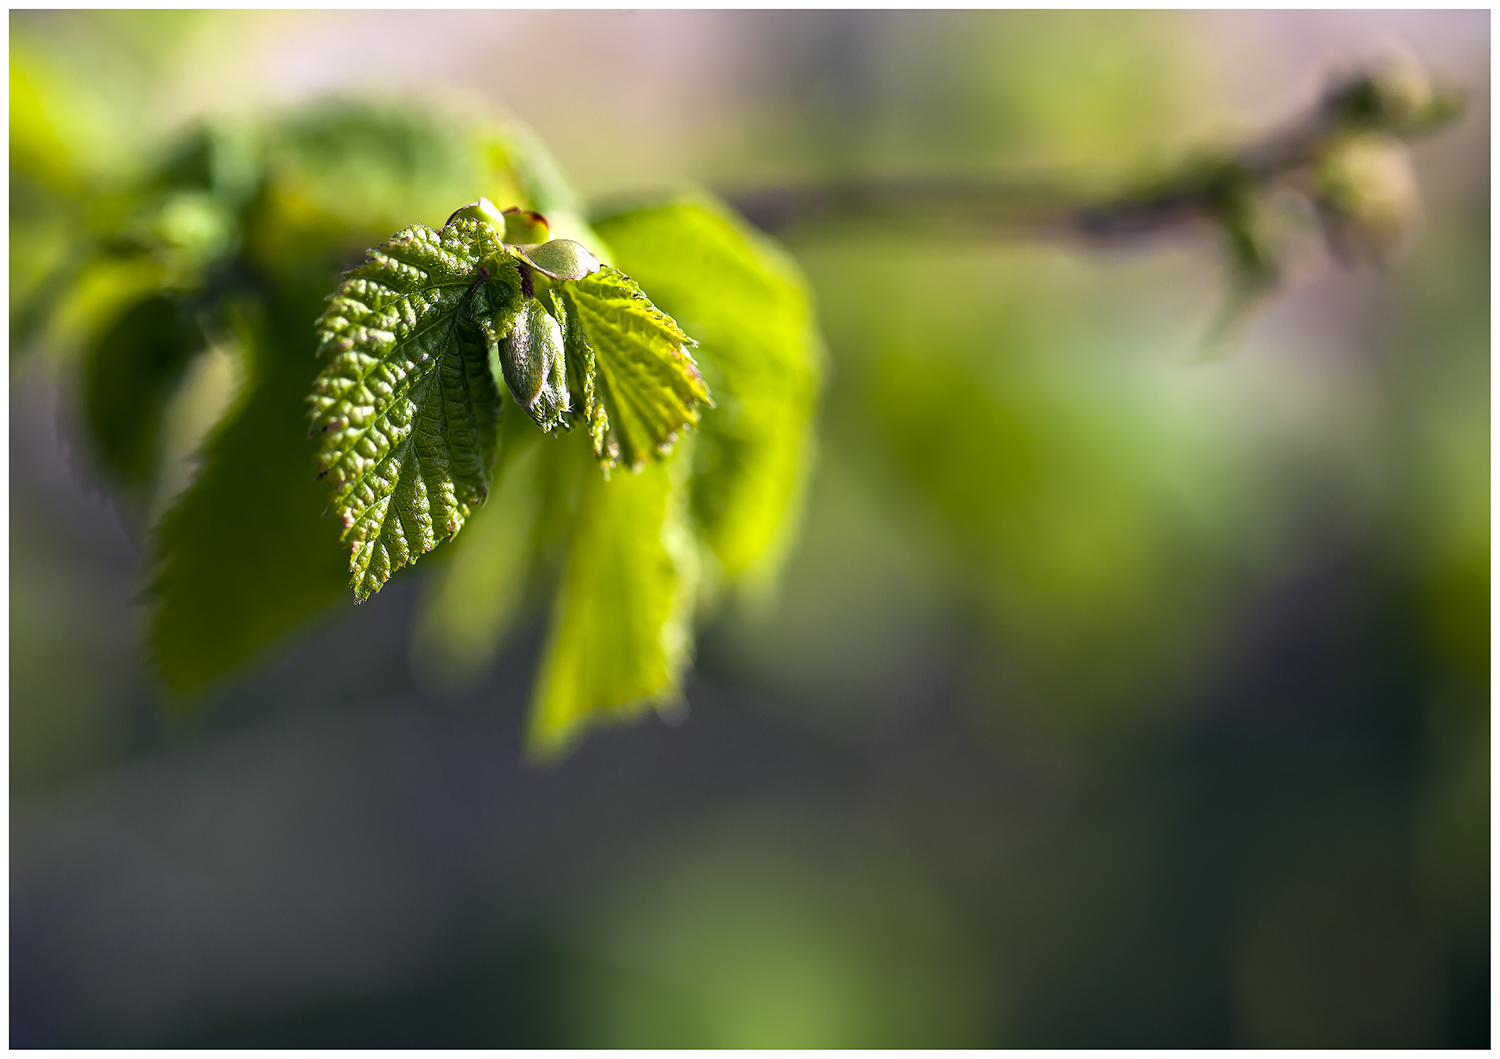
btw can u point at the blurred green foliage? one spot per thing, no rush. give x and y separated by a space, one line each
246 554
133 366
621 628
237 237
1156 694
746 304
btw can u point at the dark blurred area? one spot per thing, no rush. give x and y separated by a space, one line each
1109 698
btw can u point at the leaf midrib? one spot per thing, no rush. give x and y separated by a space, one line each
450 318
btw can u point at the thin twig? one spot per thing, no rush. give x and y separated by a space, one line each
1202 188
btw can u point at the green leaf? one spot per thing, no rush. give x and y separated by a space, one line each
247 553
244 554
621 626
647 384
382 166
128 373
582 373
472 600
748 306
406 407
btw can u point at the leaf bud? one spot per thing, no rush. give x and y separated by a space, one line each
1396 96
1403 93
532 363
561 259
483 210
1366 194
525 227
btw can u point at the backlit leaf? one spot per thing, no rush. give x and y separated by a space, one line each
621 632
406 407
647 383
748 306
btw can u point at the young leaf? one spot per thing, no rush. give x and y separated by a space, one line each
749 307
408 412
648 385
582 377
247 553
620 630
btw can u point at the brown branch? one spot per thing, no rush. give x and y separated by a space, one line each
1394 99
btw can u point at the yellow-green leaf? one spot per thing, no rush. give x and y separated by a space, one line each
648 384
749 308
621 624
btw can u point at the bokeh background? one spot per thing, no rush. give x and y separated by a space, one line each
1109 699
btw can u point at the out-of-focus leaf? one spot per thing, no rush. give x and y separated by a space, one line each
406 408
344 176
541 186
44 257
379 166
129 372
748 306
621 634
472 600
43 270
648 384
222 158
45 119
245 554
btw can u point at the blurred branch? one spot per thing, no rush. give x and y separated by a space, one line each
1394 100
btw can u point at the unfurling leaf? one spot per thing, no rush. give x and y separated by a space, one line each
426 336
530 362
647 386
621 623
406 406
